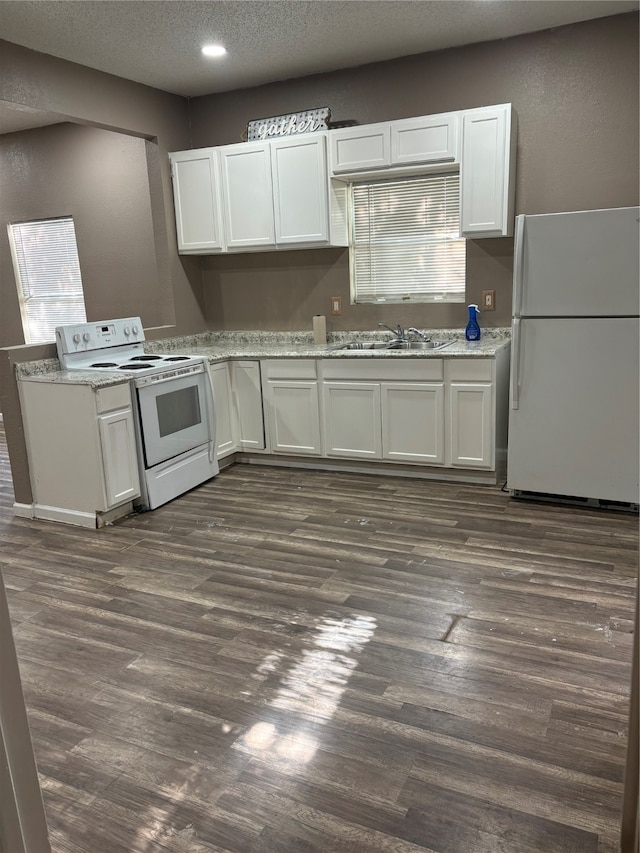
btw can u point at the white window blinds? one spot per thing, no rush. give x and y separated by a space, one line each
48 276
404 240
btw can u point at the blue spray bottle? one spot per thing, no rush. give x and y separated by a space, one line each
472 332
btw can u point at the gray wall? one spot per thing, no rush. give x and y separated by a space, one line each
170 294
100 178
575 90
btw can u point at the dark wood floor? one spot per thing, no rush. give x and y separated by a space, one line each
290 661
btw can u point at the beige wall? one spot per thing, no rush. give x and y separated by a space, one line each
575 90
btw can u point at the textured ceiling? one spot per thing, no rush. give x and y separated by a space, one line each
157 42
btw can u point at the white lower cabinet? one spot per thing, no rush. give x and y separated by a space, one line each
448 413
225 414
292 411
413 422
471 416
117 442
238 405
352 419
247 392
82 451
387 409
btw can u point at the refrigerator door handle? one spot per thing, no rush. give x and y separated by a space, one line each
518 265
515 364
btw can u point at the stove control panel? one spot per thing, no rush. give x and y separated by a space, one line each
83 337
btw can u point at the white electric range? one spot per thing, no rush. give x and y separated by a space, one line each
173 403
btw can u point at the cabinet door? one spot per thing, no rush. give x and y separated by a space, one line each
471 428
224 410
119 458
413 422
486 191
245 382
196 197
294 416
429 139
247 195
300 189
356 148
352 419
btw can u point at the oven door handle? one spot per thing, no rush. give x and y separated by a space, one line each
211 405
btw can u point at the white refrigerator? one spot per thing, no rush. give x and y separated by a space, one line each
573 419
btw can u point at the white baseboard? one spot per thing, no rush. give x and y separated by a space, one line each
66 516
385 469
23 510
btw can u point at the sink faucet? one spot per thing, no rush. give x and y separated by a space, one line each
420 334
398 331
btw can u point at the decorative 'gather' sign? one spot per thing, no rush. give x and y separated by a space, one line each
306 121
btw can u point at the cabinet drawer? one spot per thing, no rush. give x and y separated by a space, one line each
290 368
113 397
381 369
470 369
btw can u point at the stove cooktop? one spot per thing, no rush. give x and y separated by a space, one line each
136 362
139 364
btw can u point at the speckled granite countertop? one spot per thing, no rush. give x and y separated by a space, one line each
219 346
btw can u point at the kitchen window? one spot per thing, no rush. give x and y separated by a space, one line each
47 269
404 240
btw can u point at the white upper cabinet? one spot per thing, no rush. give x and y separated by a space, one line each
291 192
357 148
487 172
300 189
258 196
247 195
429 139
388 145
196 196
480 142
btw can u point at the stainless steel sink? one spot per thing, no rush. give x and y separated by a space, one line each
418 345
392 345
363 345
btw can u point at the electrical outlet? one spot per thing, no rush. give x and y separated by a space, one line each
489 300
336 305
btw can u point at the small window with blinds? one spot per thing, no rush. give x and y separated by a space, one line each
404 240
45 258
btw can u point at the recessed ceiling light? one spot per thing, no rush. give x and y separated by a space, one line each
214 50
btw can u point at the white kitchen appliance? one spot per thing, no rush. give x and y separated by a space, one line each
573 422
173 401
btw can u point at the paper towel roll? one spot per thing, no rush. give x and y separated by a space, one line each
319 329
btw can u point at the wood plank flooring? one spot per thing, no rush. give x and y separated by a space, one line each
292 661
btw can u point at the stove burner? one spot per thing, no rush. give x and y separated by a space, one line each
146 358
104 364
177 358
134 366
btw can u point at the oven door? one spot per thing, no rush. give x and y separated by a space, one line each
176 415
